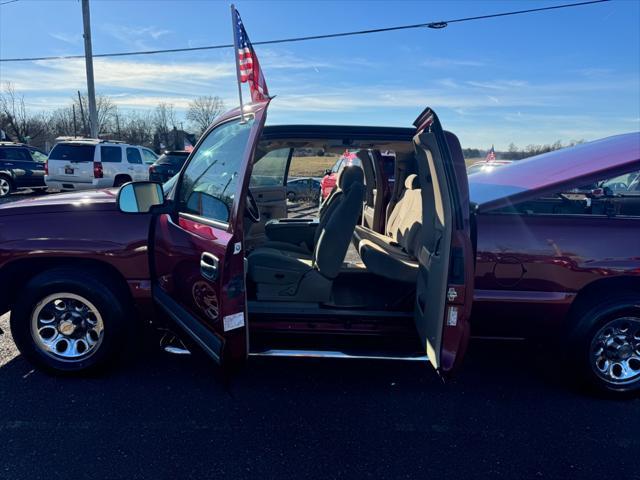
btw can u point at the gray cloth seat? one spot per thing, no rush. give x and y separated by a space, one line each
285 275
394 254
325 207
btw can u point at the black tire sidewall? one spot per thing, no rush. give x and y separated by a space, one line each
104 297
588 324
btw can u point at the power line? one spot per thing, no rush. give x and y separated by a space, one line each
433 25
10 1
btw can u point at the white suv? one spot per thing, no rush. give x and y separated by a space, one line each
82 164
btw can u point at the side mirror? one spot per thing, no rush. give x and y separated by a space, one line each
327 171
140 197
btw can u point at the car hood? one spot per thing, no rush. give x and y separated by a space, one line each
530 178
74 201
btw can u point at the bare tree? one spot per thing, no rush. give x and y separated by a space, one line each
106 112
203 111
164 121
137 129
16 119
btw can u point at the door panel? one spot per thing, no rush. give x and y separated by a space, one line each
198 250
273 204
444 290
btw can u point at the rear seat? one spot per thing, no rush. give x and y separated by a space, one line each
394 255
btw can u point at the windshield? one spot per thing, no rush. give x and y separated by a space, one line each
72 152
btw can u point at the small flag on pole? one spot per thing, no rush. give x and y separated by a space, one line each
491 156
249 70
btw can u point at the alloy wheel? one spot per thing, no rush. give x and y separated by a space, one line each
67 327
5 187
615 351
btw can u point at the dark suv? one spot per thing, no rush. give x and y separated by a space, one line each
167 165
21 166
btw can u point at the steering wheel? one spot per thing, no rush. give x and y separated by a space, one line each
252 210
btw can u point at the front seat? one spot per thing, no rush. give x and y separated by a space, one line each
306 247
285 275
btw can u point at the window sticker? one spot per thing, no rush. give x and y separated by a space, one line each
452 317
231 322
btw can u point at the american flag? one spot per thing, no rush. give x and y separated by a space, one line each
491 156
248 64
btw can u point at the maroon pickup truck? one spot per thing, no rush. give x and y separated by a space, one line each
211 253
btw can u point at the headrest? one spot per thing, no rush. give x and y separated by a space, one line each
412 182
349 175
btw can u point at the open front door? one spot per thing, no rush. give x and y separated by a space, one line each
444 290
197 250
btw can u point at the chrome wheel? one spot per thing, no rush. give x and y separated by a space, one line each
615 351
5 187
67 327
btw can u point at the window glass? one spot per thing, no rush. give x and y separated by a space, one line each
307 168
13 153
110 154
210 181
38 156
72 153
133 155
611 196
269 170
149 157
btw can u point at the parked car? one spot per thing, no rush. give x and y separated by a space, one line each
303 189
79 265
21 166
329 179
80 164
167 165
486 166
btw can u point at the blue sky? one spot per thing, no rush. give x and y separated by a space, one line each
561 75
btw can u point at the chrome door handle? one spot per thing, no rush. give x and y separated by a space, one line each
209 266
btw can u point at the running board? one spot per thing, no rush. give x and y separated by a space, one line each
334 354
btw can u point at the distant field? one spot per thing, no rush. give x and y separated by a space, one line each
315 166
311 166
469 161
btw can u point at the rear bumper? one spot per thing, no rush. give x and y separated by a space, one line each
96 183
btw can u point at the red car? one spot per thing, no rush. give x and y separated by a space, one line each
486 166
328 181
213 254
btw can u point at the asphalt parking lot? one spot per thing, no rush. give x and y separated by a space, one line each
511 413
508 415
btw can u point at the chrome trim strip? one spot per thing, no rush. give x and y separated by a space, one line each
205 221
332 354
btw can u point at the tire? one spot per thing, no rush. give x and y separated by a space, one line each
605 344
121 180
291 196
63 326
6 186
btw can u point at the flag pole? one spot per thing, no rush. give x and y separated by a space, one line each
237 57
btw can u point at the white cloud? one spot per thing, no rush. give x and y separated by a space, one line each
70 38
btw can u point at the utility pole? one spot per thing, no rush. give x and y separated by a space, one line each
88 57
75 129
84 122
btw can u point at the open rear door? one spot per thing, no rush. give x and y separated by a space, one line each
197 249
444 290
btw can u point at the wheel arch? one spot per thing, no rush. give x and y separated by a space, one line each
600 289
122 176
15 275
